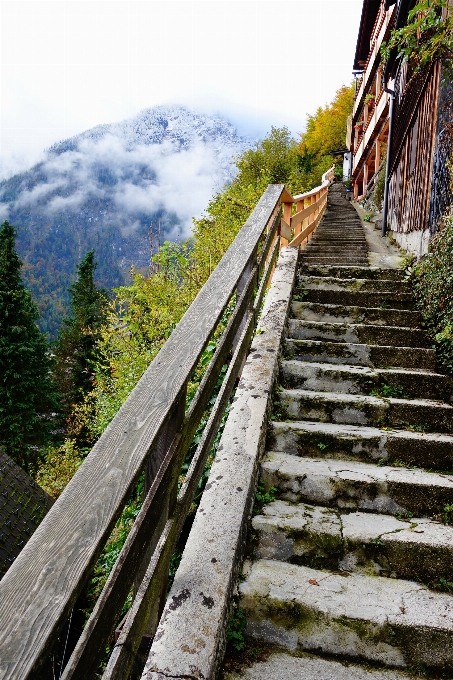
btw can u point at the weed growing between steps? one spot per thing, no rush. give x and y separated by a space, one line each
386 391
263 496
432 281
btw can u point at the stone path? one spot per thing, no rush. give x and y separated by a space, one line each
350 558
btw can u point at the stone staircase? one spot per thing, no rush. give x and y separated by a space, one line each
352 550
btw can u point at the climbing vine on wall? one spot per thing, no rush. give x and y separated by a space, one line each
427 36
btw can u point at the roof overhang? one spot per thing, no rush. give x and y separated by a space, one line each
370 11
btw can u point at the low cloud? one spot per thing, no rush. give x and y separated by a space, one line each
138 168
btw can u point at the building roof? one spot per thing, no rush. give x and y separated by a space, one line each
370 11
23 504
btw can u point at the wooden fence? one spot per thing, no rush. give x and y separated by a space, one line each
310 208
150 434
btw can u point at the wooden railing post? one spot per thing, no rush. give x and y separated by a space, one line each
285 236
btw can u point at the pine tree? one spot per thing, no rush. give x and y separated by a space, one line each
26 393
75 349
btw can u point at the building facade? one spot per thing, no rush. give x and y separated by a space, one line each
419 190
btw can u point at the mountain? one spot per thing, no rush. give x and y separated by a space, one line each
115 188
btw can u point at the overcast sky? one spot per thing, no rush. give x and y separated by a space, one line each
67 66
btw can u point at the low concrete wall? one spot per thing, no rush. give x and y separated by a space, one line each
415 242
190 640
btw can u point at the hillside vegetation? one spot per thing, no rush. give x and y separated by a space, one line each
141 316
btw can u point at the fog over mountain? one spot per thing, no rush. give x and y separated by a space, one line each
104 188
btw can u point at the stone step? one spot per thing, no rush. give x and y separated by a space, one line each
334 244
401 383
360 298
351 285
374 356
334 261
388 621
313 311
325 240
367 444
284 666
357 333
351 409
357 542
354 485
343 258
338 237
332 251
352 250
352 272
329 229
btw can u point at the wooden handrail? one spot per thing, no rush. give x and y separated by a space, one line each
298 227
150 433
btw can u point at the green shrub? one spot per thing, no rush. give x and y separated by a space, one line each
432 280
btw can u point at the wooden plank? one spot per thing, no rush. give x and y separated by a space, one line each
286 196
306 232
123 654
285 230
39 590
306 212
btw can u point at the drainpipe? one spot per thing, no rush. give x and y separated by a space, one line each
401 19
387 164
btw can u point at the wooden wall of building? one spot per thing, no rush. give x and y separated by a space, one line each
412 152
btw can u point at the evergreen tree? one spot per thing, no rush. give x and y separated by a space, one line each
26 394
76 345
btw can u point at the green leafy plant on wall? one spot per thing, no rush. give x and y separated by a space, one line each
432 280
427 37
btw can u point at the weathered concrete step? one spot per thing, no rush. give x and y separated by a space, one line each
367 444
400 383
284 666
351 409
353 485
330 230
389 621
377 356
359 298
351 285
340 220
353 250
357 333
314 311
360 542
339 237
332 244
352 272
337 260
